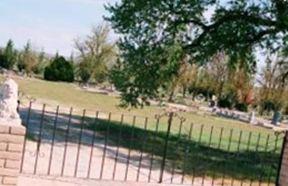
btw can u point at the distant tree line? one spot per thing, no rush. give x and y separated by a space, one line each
236 86
26 61
95 56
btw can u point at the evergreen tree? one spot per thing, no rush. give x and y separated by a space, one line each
9 56
59 70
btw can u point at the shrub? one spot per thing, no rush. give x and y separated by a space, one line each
84 71
226 101
241 107
229 101
59 70
101 76
270 106
286 110
4 63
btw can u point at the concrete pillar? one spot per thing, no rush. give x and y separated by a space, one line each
11 147
283 175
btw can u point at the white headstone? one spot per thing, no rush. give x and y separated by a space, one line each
252 118
9 102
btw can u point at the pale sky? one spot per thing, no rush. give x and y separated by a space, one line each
51 25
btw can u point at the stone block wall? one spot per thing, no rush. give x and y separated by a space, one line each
11 147
283 176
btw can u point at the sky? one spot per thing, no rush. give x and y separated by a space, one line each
51 25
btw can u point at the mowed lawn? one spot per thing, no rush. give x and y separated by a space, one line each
70 95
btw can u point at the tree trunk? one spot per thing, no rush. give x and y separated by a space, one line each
193 95
184 92
221 90
170 99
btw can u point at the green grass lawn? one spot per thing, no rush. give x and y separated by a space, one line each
65 94
68 94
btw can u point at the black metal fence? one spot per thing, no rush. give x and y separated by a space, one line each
164 149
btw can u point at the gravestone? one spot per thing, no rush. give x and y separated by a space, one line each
276 118
252 118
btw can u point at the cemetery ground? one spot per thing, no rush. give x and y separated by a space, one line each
211 157
70 95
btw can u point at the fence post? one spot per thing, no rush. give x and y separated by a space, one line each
11 152
282 179
170 118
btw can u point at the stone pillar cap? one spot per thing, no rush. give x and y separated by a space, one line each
9 102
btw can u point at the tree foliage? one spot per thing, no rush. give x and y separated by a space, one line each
139 76
8 56
28 60
59 70
43 61
149 28
274 83
96 53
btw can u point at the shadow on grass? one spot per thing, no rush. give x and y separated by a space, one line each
184 156
191 157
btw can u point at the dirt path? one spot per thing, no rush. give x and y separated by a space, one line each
56 154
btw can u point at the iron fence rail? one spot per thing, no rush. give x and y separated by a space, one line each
162 149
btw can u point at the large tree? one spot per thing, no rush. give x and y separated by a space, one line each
96 52
201 28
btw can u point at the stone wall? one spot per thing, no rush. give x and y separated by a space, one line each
283 177
11 147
